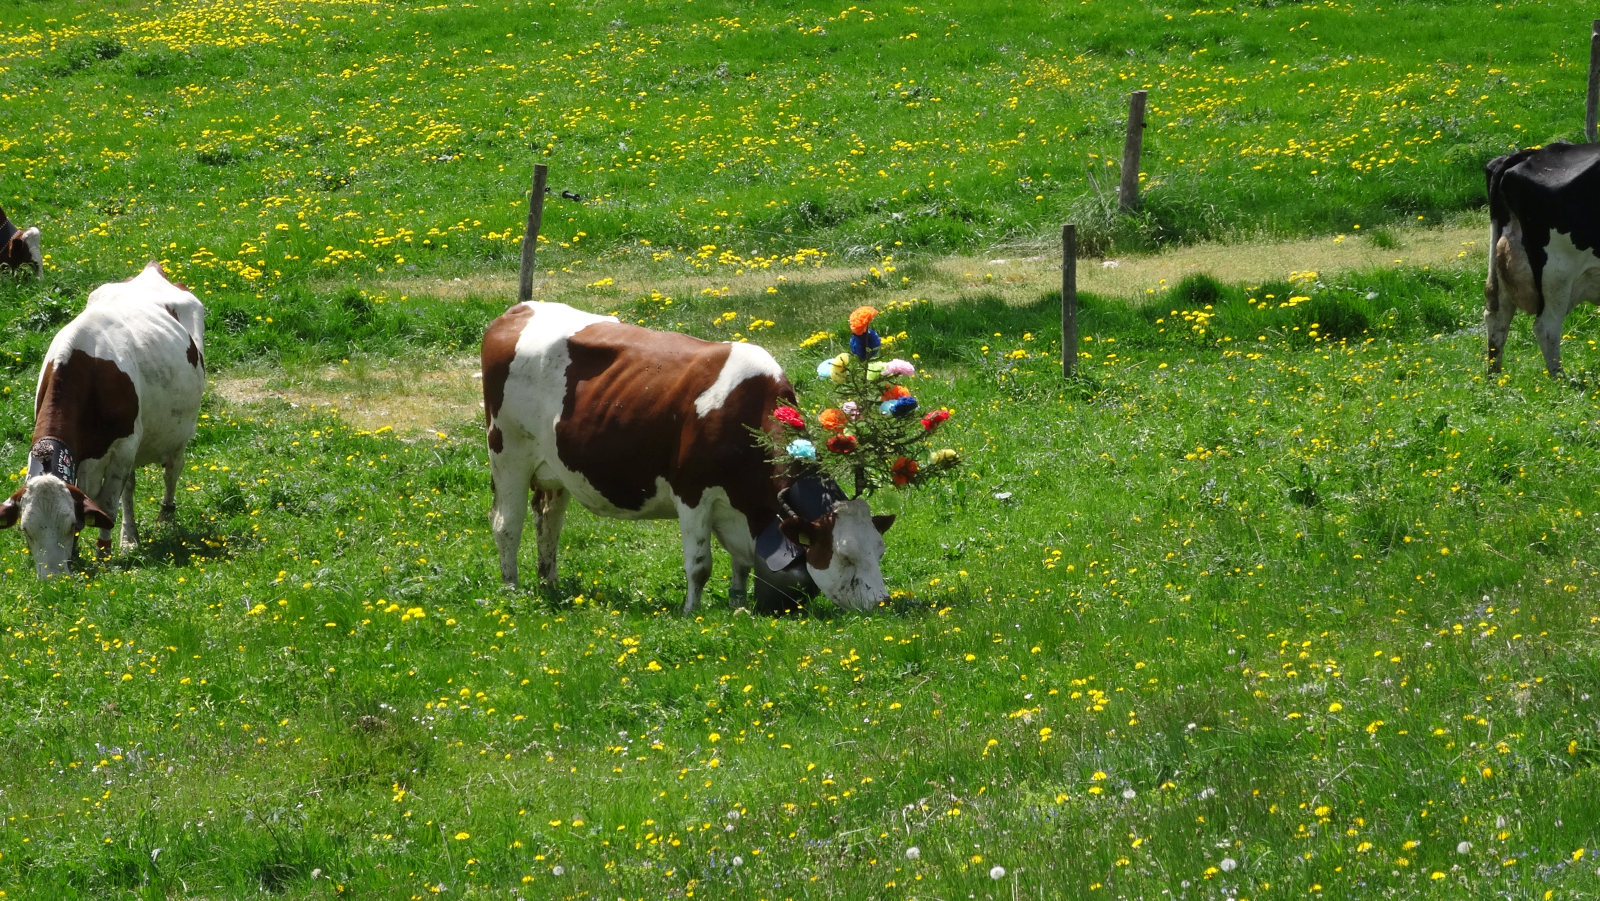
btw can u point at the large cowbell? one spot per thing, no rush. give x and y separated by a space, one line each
782 583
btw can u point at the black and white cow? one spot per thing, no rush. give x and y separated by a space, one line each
120 387
641 424
1544 242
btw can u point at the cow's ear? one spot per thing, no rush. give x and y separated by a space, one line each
883 522
11 509
86 511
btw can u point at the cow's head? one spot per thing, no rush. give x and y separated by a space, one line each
20 247
52 514
840 541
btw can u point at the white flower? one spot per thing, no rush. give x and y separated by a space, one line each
1129 794
997 872
913 852
1227 864
738 861
1464 847
557 870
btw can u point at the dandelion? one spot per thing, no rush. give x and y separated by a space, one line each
913 853
997 872
1227 864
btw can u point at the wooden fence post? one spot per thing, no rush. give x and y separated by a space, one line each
1590 118
1131 146
530 236
1069 301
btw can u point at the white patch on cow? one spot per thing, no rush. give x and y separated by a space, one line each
151 286
1571 275
745 361
854 578
30 237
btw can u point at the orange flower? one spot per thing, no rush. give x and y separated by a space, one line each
833 420
904 470
895 392
861 319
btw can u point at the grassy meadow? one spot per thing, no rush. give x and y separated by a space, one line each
1281 598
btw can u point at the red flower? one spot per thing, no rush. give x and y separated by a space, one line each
934 419
790 417
842 444
904 470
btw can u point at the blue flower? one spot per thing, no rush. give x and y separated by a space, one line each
801 449
865 344
900 407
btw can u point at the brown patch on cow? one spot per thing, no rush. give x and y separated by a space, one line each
497 440
628 418
819 553
85 402
499 349
194 352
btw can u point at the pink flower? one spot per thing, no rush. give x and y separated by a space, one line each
899 367
851 409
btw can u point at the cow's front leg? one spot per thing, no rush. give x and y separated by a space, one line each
1547 328
511 483
119 496
549 510
696 528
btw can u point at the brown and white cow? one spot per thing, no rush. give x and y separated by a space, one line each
120 387
19 247
1544 242
641 424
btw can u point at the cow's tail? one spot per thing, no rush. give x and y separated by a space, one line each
1499 217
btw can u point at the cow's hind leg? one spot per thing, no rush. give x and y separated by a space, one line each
1547 328
1497 324
549 509
512 481
170 470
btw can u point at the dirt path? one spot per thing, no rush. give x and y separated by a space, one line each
443 395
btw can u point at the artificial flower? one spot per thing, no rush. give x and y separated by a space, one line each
861 319
842 444
898 366
904 470
801 449
943 458
825 369
933 420
894 391
790 417
833 420
836 368
865 344
900 406
851 409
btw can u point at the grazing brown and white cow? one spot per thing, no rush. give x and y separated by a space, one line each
19 247
641 424
120 387
1544 242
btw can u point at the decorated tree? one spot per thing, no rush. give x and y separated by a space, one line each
876 431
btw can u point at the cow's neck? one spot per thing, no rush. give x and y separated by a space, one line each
50 456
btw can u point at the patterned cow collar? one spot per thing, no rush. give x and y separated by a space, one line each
52 458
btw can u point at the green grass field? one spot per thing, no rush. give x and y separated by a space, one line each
1283 597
